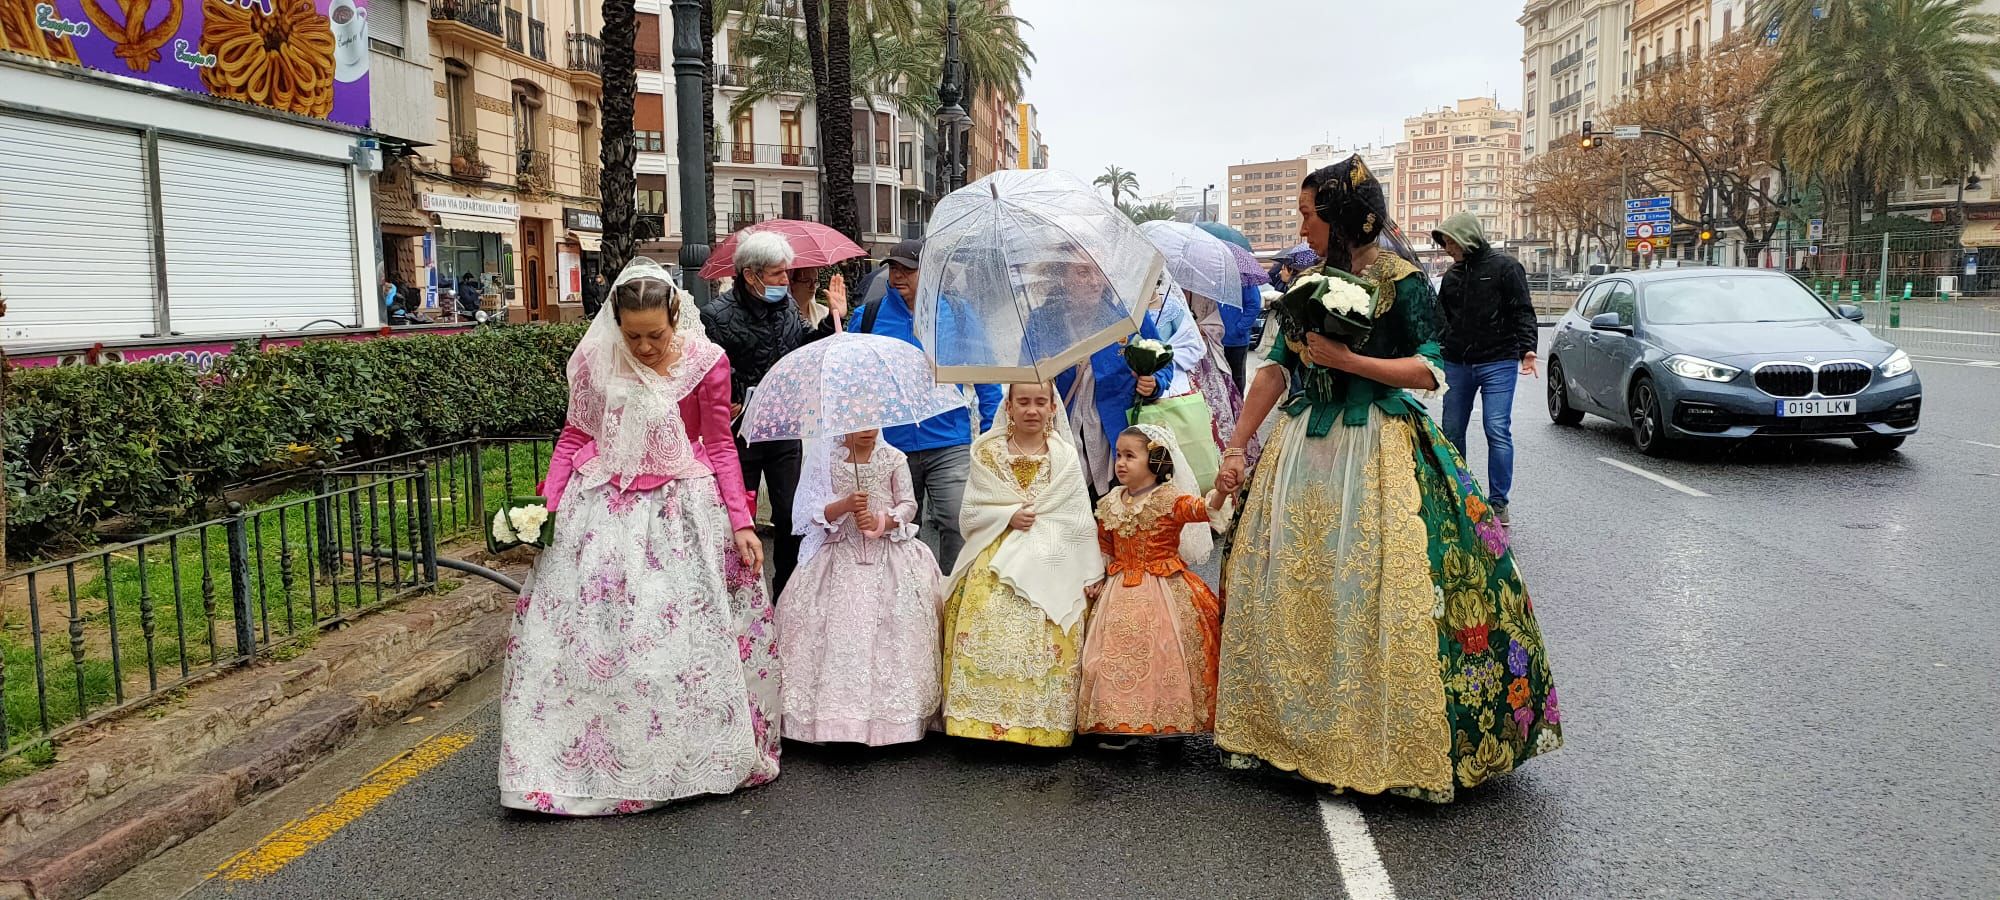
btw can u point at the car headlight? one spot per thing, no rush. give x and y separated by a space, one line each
1701 369
1898 363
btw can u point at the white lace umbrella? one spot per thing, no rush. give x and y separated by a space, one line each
1201 262
1027 273
843 384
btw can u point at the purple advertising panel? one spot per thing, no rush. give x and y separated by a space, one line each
306 57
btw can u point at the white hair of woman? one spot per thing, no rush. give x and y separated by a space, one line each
759 250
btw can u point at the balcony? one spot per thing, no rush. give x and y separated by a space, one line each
593 179
483 15
732 76
646 62
766 155
514 41
1660 66
914 231
538 40
649 226
784 9
1565 104
465 160
1566 63
531 170
586 54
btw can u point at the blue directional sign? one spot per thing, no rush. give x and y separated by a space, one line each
1649 203
1664 215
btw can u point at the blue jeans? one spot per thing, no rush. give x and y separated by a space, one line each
938 477
1494 380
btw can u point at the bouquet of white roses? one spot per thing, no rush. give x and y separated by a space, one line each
521 522
1147 357
1330 303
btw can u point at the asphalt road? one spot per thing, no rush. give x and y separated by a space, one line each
1782 689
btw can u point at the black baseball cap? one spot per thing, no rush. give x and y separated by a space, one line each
907 254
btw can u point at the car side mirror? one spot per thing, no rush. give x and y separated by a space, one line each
1609 321
1852 313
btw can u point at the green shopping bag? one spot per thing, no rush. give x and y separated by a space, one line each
1188 417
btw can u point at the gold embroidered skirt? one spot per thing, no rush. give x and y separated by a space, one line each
1341 659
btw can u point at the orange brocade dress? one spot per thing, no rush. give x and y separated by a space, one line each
1149 655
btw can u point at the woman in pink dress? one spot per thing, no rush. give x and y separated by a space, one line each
643 663
860 618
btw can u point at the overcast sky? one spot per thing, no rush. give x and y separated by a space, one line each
1178 90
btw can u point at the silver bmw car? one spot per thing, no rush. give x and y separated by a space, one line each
1685 355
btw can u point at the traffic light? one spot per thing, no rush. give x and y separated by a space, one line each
1707 233
1589 140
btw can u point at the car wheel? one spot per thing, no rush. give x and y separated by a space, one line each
1649 430
1560 412
1879 443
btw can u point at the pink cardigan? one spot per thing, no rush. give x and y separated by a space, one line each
705 413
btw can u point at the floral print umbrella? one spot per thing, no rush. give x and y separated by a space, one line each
844 384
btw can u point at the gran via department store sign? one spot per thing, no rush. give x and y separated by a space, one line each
467 206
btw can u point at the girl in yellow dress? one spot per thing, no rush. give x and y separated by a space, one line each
1013 609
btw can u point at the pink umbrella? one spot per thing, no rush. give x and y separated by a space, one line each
815 244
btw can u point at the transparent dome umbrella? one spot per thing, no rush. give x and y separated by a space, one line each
1025 274
843 384
1201 262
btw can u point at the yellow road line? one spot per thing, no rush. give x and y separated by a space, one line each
279 848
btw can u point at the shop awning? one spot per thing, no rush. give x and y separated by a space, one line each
590 241
394 211
1982 233
475 223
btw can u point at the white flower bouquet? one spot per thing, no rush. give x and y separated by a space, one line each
521 522
1330 303
1147 356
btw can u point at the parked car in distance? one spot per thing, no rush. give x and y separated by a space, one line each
1710 354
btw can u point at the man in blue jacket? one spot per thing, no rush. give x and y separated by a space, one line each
939 448
1237 323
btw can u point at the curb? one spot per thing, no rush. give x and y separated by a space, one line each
466 634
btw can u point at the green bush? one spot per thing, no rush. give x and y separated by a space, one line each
155 440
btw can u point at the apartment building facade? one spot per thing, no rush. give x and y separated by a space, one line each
1263 202
1463 158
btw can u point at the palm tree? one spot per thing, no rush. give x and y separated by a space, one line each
1838 111
619 187
1150 212
1119 182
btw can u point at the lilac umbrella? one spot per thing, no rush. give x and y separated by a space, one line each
1247 266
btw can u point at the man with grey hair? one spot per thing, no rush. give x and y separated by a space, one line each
756 322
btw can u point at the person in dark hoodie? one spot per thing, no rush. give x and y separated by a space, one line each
1490 335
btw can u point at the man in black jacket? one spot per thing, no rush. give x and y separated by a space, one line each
1490 335
757 323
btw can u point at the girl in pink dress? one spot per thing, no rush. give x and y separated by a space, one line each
643 662
860 618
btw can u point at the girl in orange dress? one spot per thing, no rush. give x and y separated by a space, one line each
1149 653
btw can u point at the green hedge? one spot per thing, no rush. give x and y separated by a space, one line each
155 440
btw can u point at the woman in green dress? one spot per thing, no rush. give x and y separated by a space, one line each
1378 636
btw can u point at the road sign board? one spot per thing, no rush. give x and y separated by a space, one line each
1646 230
1816 230
1650 215
1812 250
1645 248
1649 203
1625 132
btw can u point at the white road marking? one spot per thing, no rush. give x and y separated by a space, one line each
1984 444
1361 871
1955 361
1652 476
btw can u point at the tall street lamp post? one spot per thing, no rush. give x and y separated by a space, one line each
954 126
1204 204
690 80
